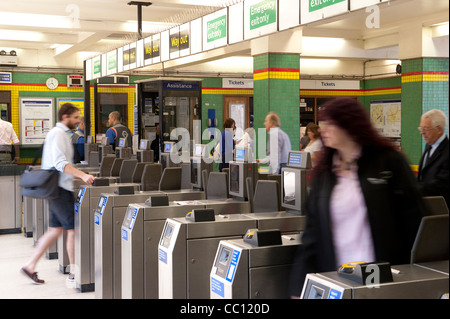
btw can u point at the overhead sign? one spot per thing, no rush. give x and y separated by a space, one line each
313 10
260 18
237 83
96 67
111 61
215 29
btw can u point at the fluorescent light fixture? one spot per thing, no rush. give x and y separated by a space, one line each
35 20
12 35
440 30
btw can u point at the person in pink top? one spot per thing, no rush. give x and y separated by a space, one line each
364 204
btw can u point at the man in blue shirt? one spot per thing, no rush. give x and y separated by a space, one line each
78 141
117 130
58 154
433 174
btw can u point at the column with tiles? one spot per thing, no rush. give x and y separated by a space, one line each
424 87
276 88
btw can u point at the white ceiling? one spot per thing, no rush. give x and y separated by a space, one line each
93 26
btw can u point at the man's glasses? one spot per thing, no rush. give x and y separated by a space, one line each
426 129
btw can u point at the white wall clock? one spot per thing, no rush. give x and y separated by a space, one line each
52 83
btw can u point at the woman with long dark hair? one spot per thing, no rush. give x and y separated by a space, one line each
364 204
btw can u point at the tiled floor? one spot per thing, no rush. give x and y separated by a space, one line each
15 250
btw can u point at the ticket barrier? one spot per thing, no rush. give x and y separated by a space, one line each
187 248
85 204
257 266
426 277
108 221
141 230
108 217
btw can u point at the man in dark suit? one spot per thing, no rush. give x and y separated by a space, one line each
433 174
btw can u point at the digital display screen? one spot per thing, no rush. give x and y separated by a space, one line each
121 142
98 138
289 187
224 256
167 147
169 230
143 145
295 159
234 178
128 216
240 154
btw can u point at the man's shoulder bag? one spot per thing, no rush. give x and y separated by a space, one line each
40 183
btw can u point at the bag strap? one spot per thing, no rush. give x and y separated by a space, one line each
38 154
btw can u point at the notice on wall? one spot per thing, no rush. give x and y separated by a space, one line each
386 117
36 119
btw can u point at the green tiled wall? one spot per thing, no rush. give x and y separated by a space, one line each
279 95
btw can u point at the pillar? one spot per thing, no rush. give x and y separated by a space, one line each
276 86
424 85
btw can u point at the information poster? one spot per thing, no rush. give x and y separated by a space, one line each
79 103
36 119
386 117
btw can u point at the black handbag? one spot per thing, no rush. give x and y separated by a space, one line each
40 183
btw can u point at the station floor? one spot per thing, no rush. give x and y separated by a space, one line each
15 250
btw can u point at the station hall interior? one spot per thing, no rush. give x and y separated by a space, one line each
179 68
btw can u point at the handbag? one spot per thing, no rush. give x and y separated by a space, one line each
40 183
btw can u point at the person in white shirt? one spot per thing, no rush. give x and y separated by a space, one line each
7 135
278 155
58 154
315 143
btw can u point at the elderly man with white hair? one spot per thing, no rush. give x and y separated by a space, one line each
433 174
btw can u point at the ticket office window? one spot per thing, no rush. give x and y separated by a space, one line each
310 106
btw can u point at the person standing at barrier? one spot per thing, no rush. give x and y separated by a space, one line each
314 145
7 135
433 174
117 130
227 143
78 142
279 153
58 153
364 203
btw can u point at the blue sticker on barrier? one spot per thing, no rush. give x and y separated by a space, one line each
162 255
96 219
233 265
124 234
334 294
217 287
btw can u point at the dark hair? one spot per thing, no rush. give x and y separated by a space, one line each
314 129
66 109
228 123
349 115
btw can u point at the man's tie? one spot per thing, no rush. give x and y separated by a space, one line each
427 155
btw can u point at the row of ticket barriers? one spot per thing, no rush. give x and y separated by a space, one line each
234 234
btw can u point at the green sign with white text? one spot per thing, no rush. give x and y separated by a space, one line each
217 29
263 13
315 5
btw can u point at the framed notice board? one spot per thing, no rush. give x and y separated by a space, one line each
36 119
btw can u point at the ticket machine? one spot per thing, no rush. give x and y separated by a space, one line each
168 149
257 266
198 165
123 150
294 181
144 153
240 169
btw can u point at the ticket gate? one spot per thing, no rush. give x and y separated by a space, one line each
426 277
108 216
187 248
85 203
255 267
141 230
